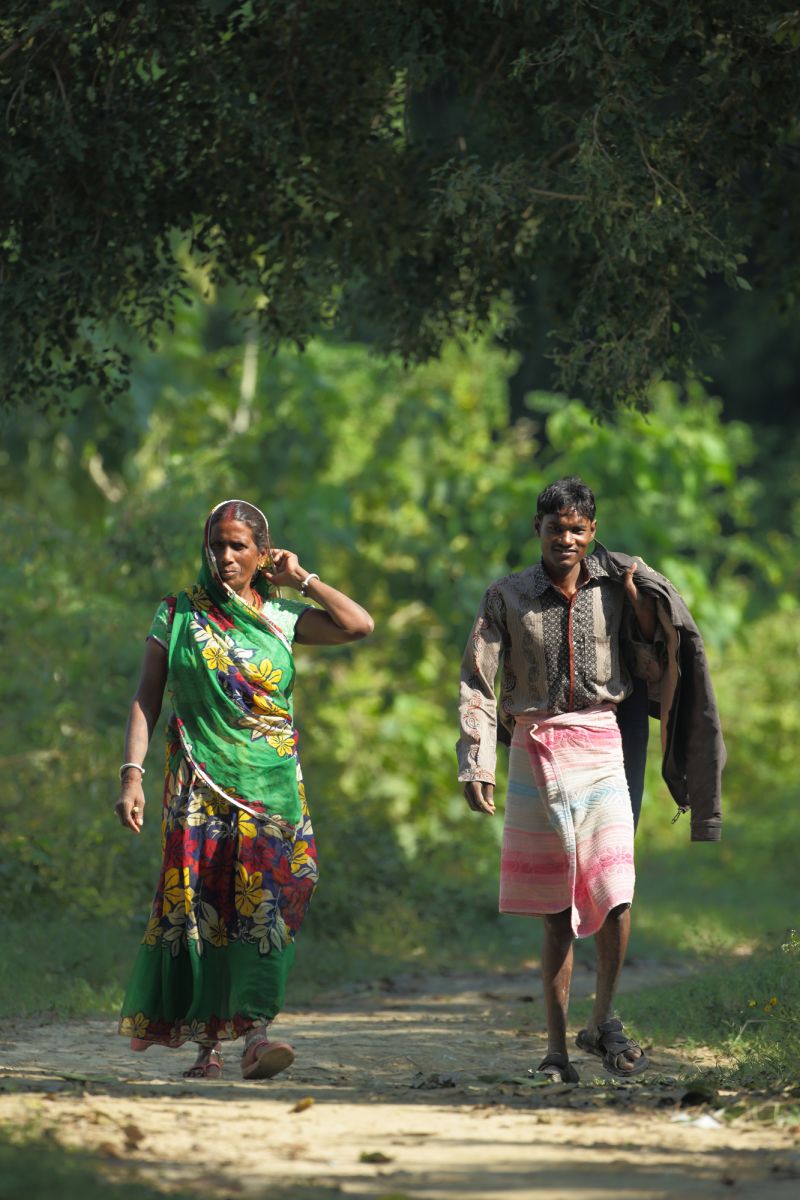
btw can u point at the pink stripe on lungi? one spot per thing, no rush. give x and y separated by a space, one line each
568 832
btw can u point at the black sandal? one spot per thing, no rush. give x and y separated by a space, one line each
610 1043
557 1067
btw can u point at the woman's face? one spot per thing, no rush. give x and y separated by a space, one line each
236 553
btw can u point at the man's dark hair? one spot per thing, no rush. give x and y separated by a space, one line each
568 493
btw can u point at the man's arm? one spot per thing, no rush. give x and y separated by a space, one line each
641 632
477 745
644 608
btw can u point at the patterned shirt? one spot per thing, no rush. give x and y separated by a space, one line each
557 656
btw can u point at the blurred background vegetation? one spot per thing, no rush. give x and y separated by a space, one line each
235 178
411 489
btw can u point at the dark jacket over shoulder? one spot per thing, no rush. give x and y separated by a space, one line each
691 735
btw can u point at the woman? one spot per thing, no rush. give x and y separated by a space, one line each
239 861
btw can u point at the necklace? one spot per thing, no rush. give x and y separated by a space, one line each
252 601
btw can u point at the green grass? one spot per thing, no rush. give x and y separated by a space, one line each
71 967
704 899
67 964
72 964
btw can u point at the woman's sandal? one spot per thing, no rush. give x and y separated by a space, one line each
610 1043
208 1067
263 1059
557 1067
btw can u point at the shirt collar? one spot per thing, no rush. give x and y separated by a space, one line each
541 581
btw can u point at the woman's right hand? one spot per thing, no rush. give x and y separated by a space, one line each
130 806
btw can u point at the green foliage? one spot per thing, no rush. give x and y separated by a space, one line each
410 490
391 171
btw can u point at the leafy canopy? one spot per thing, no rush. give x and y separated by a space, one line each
392 170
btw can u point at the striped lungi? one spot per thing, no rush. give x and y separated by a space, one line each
568 833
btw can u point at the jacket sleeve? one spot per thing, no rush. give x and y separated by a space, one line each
699 744
694 750
477 746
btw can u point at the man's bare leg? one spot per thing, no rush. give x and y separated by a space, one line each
611 941
557 977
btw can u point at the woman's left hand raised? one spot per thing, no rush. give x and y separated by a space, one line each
286 570
338 619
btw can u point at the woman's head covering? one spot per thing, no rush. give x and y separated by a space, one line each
211 520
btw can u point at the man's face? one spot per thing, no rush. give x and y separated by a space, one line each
565 538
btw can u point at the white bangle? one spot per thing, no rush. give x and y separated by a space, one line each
306 582
125 766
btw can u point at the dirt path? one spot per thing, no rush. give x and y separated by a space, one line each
430 1076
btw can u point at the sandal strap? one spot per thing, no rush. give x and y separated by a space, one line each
613 1039
557 1066
555 1059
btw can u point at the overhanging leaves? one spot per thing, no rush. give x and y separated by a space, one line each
392 171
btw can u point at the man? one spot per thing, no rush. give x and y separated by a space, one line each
572 632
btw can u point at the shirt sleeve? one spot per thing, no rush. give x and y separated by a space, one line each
285 614
161 626
477 746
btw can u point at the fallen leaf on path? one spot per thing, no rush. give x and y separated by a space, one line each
110 1150
528 1081
133 1136
436 1080
303 1104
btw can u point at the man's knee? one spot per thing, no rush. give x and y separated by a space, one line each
614 914
559 924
